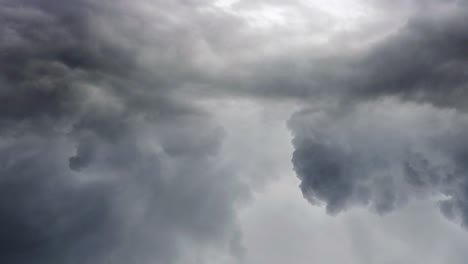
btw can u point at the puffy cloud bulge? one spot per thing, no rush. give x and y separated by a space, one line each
395 127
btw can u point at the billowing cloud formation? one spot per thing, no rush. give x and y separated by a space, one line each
420 58
99 162
108 155
425 61
378 153
395 126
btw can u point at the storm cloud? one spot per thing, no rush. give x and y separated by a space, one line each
395 129
135 131
99 162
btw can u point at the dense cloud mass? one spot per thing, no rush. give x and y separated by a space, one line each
378 153
111 143
397 127
425 61
99 163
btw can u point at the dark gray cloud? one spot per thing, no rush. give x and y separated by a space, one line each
392 125
377 154
422 58
425 61
99 162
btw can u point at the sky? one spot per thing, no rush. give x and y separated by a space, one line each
233 131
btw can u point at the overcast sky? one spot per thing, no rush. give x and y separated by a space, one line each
233 131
